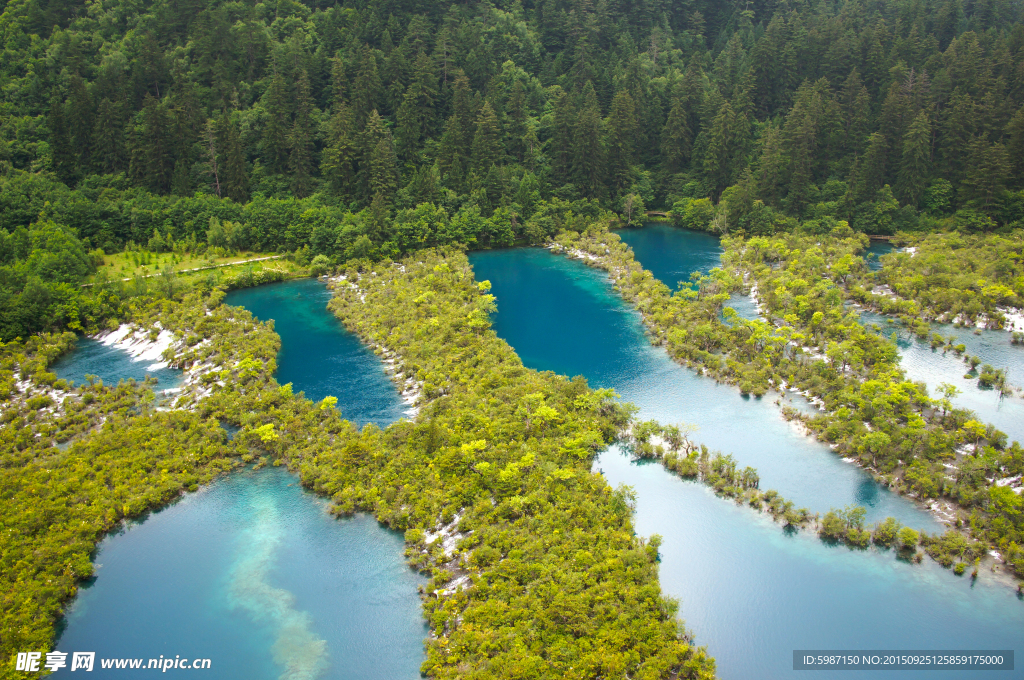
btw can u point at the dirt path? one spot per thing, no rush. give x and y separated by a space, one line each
199 269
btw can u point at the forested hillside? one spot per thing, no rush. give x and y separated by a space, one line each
372 128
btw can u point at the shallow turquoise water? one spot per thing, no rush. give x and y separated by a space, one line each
874 251
751 591
254 574
318 355
251 571
92 357
933 367
563 316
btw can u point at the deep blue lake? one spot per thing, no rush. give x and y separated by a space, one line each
251 571
660 250
750 591
318 355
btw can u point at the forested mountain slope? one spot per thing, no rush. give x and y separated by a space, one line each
373 128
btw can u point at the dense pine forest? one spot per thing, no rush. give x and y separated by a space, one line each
375 128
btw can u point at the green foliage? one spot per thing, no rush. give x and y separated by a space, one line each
958 277
869 410
506 452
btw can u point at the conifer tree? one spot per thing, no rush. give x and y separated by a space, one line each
676 136
487 145
81 121
562 135
300 140
721 144
855 104
108 138
278 124
152 158
1015 145
449 163
384 170
770 166
916 159
61 154
621 145
210 142
367 89
379 216
517 115
416 113
337 165
588 158
463 113
234 176
869 173
339 80
988 166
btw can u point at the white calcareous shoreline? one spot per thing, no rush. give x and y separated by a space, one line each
139 344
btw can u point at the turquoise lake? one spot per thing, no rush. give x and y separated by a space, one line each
875 251
563 316
112 365
935 366
318 355
251 571
751 591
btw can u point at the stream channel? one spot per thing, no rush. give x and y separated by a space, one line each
750 591
252 572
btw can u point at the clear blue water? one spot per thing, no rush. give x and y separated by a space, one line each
874 251
112 365
751 591
254 574
672 254
563 316
933 367
251 571
318 355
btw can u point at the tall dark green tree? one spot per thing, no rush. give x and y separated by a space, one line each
108 138
416 114
301 140
338 161
723 140
384 175
61 153
676 136
988 167
487 141
367 95
81 121
916 160
234 174
869 172
276 103
561 144
153 159
621 144
588 156
517 122
1015 146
